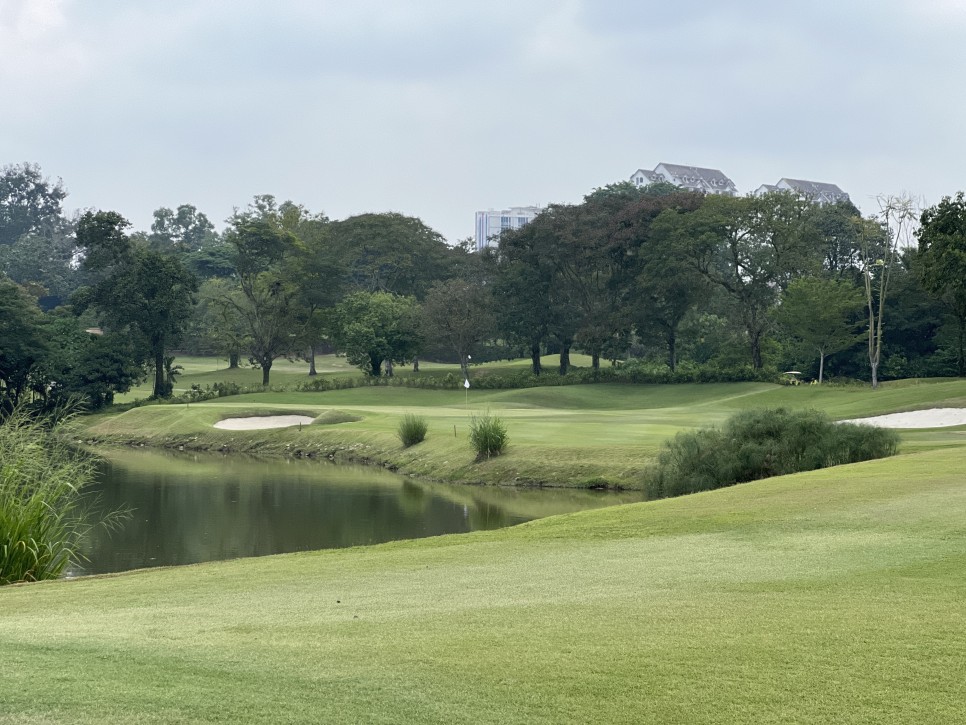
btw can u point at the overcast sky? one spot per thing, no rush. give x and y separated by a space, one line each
438 108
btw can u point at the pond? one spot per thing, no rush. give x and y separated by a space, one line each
190 508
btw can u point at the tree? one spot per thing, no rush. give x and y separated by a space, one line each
750 247
891 231
267 305
136 289
534 303
185 229
23 342
459 314
390 253
942 262
822 314
377 327
660 287
29 202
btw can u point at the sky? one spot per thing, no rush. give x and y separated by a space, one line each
439 108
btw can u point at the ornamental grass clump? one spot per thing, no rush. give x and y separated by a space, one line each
41 493
756 444
412 429
488 435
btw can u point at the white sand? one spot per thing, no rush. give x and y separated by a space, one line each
934 418
263 421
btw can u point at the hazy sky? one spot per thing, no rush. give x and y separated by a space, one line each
438 108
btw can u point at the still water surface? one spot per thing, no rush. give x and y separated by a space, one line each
189 508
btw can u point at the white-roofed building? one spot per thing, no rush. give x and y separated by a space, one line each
692 178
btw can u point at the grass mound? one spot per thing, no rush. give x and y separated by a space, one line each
334 417
756 444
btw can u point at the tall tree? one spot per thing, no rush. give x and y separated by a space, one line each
390 253
750 247
458 313
136 289
268 304
373 328
29 202
23 342
942 262
823 314
658 285
185 229
897 215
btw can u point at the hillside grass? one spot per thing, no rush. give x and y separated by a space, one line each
580 436
832 596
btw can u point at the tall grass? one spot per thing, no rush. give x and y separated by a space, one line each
41 493
488 435
756 444
412 429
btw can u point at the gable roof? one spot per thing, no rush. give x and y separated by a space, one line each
697 177
817 190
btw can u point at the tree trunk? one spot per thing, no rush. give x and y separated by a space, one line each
821 365
756 351
564 358
415 364
961 363
266 371
875 375
375 366
312 371
535 362
672 355
595 360
389 368
159 386
233 360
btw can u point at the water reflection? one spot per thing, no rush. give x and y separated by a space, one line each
191 508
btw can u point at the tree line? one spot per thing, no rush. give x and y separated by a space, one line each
88 306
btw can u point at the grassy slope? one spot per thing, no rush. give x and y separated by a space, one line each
831 596
572 436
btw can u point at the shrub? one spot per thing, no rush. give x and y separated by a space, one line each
412 429
488 435
757 444
41 494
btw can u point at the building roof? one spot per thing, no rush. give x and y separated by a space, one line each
652 178
697 177
817 190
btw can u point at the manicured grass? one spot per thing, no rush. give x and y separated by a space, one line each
834 596
582 435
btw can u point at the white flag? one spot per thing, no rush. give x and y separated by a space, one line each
466 383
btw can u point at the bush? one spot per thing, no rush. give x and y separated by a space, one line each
412 429
41 493
488 435
757 444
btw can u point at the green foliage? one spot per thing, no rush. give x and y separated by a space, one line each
41 494
822 314
412 429
376 327
942 263
488 435
756 444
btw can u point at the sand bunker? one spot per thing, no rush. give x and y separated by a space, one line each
261 422
934 418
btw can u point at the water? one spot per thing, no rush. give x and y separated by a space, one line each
190 508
